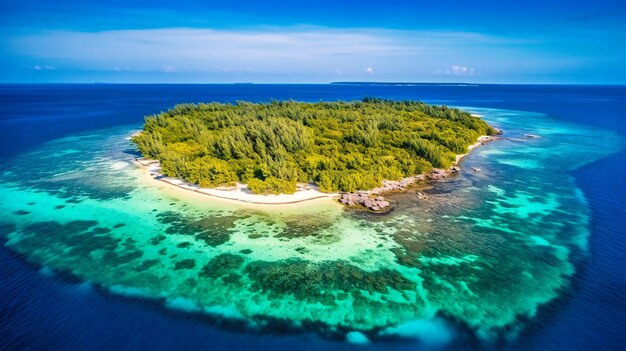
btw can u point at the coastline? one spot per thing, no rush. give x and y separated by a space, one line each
482 140
307 193
240 194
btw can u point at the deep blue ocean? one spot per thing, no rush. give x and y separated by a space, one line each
47 313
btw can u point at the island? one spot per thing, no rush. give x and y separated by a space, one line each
309 150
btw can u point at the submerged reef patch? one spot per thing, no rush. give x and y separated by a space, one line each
213 230
305 280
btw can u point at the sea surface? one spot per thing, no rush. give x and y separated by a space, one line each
529 253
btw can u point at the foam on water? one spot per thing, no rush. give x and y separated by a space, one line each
432 333
484 249
130 292
355 337
183 304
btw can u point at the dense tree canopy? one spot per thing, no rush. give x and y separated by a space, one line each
341 146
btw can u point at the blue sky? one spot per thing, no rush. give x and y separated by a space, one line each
310 42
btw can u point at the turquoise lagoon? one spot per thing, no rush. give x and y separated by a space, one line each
484 251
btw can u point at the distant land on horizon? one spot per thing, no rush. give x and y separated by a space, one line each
404 83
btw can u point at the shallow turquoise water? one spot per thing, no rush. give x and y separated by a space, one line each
486 249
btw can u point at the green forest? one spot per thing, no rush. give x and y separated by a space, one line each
340 146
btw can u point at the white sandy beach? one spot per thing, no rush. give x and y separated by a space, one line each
240 193
482 140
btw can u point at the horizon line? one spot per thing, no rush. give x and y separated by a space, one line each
391 83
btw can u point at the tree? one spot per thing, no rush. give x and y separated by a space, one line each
342 146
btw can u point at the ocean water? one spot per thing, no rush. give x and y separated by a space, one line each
528 253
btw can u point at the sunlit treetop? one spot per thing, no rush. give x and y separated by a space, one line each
340 146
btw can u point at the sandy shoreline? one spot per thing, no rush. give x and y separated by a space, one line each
482 140
241 194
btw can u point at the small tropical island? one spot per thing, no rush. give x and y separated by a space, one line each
315 150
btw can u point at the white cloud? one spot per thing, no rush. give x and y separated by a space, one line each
462 70
456 70
264 54
43 68
193 50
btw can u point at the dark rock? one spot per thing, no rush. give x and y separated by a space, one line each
365 199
